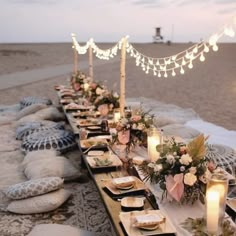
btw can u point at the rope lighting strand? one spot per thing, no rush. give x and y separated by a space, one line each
162 66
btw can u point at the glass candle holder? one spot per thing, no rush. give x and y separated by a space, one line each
154 139
217 189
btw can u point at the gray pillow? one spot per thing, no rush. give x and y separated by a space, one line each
27 101
30 110
33 188
39 204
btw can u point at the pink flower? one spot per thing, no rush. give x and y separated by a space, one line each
93 85
136 118
211 166
175 186
124 136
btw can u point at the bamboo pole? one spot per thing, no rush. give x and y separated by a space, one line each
122 76
91 62
75 60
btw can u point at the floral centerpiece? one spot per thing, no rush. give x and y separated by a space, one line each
133 131
108 99
77 79
181 171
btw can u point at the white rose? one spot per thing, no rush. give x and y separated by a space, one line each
190 179
182 168
115 94
99 91
157 168
134 126
193 170
185 159
140 126
151 165
170 159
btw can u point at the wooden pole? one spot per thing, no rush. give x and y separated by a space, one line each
91 62
122 77
75 60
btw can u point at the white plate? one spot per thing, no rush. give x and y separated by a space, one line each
132 202
128 220
114 161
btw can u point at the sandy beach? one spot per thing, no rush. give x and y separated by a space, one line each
209 88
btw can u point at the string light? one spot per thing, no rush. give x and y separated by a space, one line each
160 66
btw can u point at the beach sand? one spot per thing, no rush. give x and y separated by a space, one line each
209 88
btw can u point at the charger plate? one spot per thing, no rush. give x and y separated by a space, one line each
128 220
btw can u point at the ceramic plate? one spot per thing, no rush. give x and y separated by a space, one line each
87 143
132 202
103 161
137 186
147 218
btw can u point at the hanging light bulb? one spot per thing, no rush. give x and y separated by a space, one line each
154 68
213 39
183 62
165 75
215 47
202 58
190 65
173 73
150 61
187 55
206 49
182 70
159 74
195 50
174 57
176 65
154 73
157 63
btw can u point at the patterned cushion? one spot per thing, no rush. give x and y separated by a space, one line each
60 140
36 126
33 188
27 101
223 156
39 204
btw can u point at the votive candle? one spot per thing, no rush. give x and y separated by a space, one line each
153 141
116 116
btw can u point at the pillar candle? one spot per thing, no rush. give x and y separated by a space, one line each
153 141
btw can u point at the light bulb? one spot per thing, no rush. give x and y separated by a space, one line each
174 57
165 75
206 49
215 47
182 70
176 65
213 39
157 63
187 55
154 68
195 50
154 73
190 65
159 74
183 62
202 58
173 73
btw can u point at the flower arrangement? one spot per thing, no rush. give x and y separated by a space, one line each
77 80
181 171
133 131
110 98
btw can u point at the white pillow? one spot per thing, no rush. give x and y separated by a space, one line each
50 113
54 230
30 110
33 188
39 204
47 166
38 155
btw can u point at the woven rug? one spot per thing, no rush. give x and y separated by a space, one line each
84 209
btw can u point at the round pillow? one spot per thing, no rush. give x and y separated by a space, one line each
60 140
27 101
37 126
223 156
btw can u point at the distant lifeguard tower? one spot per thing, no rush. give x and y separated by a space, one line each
158 38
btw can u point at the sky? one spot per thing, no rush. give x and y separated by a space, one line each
109 20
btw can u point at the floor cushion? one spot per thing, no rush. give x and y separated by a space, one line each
36 126
50 113
33 188
27 101
60 140
30 110
39 204
36 165
58 230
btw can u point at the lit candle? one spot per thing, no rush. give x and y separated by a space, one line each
154 139
212 211
116 116
86 86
